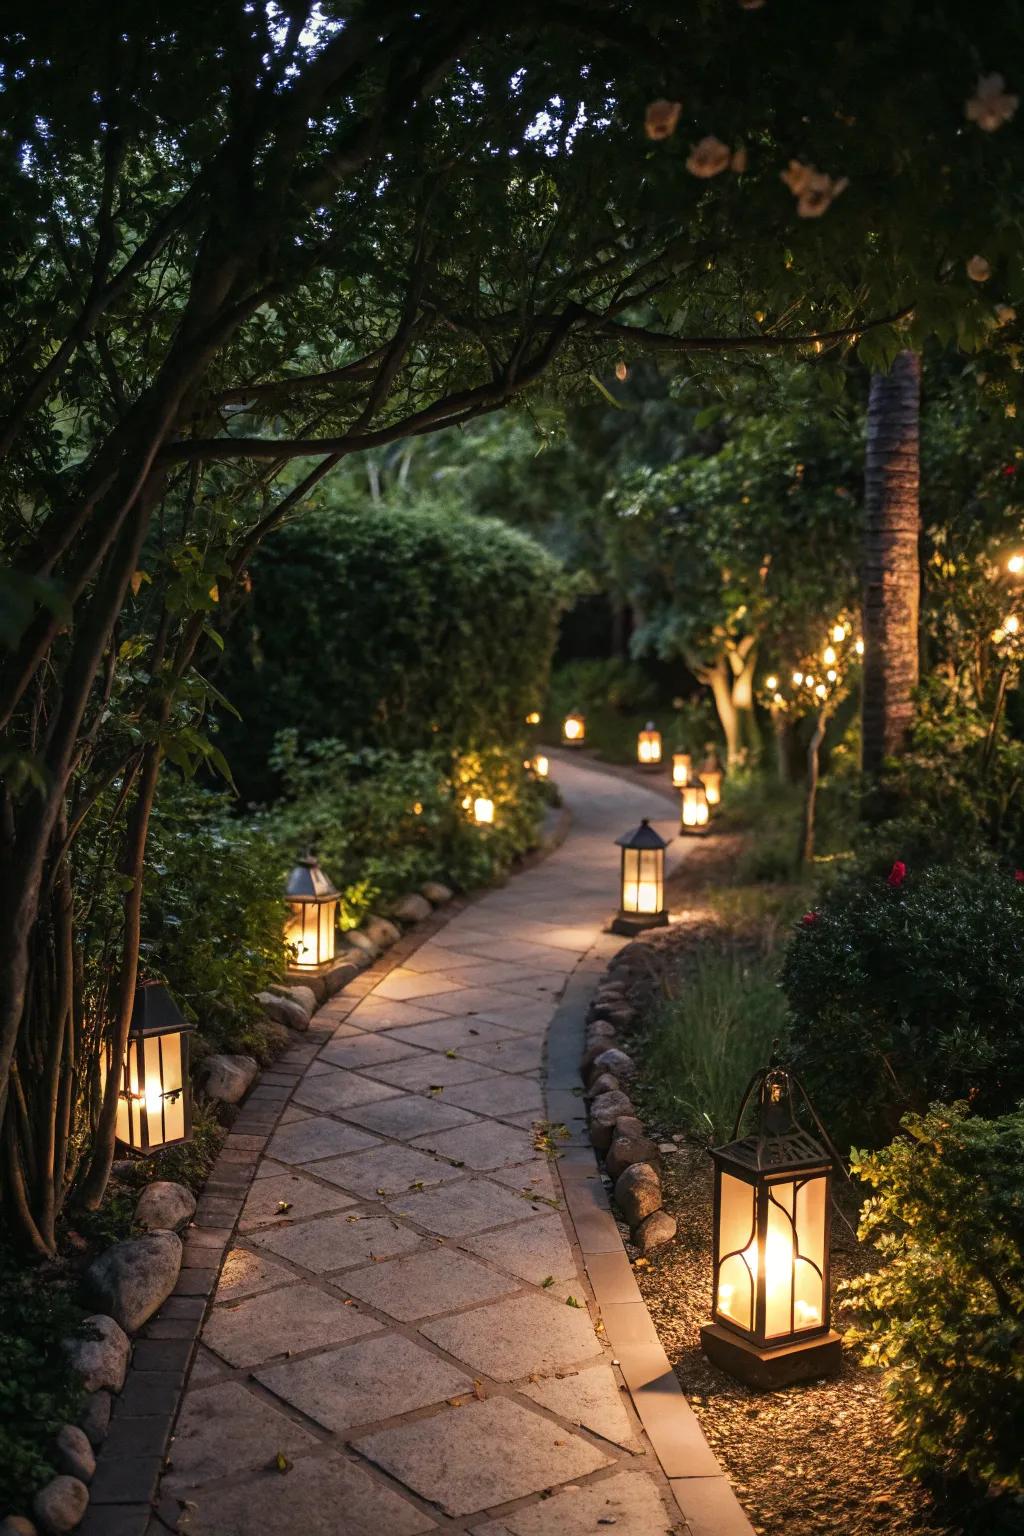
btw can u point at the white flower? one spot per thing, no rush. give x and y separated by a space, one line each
708 157
990 106
978 270
813 189
661 118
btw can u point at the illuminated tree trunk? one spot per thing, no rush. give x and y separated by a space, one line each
891 572
731 680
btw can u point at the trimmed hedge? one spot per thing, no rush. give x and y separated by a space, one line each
403 628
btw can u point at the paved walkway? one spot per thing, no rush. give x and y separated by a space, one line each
401 1340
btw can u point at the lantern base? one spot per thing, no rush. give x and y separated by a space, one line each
629 923
703 831
770 1369
574 746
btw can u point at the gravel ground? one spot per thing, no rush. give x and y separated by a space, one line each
817 1459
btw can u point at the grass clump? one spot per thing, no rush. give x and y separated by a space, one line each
711 1031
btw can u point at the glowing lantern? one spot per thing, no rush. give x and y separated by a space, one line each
682 763
533 718
648 746
541 766
859 647
154 1107
838 634
770 1296
312 910
642 893
695 816
1015 564
712 773
574 730
483 809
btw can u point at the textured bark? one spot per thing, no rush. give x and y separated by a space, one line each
891 573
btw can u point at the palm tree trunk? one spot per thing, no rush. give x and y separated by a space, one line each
891 573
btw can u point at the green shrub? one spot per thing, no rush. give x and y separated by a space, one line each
945 1313
38 1390
707 1038
618 698
382 822
404 628
907 992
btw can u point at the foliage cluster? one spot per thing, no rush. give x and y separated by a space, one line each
945 1313
398 626
904 986
618 697
38 1390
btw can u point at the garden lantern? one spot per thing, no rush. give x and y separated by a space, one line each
541 766
312 910
574 730
154 1106
533 718
695 817
682 763
711 772
648 746
642 885
483 809
770 1287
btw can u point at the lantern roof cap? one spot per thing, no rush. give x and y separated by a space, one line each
779 1142
154 1011
643 837
650 726
307 882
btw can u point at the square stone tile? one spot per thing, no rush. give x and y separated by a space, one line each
334 1089
526 954
592 1399
543 988
225 1426
438 1280
518 1337
458 934
378 1012
411 1115
365 1050
480 1455
336 1242
389 1168
629 1501
291 1114
476 1000
288 1321
482 1145
536 1177
406 985
303 1197
247 1274
471 1205
428 1070
533 1251
363 1382
522 1054
439 957
316 1137
506 1096
304 1503
525 1016
451 1034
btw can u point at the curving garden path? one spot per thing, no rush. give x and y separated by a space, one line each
403 1336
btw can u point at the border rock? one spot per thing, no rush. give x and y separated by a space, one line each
94 1418
228 1078
355 939
604 1111
437 894
18 1525
100 1361
381 931
132 1279
411 908
60 1504
638 1192
165 1206
296 992
74 1453
282 1010
654 1231
627 1150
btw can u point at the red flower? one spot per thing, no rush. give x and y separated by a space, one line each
1018 875
897 875
1009 469
809 919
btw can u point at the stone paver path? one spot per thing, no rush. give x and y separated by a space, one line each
401 1339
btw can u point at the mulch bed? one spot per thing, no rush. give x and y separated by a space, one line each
811 1460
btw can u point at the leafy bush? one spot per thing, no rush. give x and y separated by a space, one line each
708 1037
945 1315
38 1390
382 822
391 627
909 989
213 913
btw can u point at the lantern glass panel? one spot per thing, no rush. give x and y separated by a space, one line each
152 1108
483 809
737 1243
642 880
648 746
574 728
309 932
712 784
541 766
680 769
694 806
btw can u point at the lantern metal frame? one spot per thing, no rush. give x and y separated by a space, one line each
155 1017
694 788
643 840
649 737
575 741
779 1152
309 886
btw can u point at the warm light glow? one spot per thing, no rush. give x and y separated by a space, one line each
640 896
838 633
309 932
712 785
829 656
820 691
832 674
694 806
809 680
771 683
573 728
154 1096
793 1219
798 678
642 881
778 699
681 763
483 809
859 647
1012 624
648 746
541 766
417 809
1015 564
533 718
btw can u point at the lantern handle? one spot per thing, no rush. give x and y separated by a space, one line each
830 1146
757 1078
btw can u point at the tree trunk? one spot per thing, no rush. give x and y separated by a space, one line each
891 574
806 852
